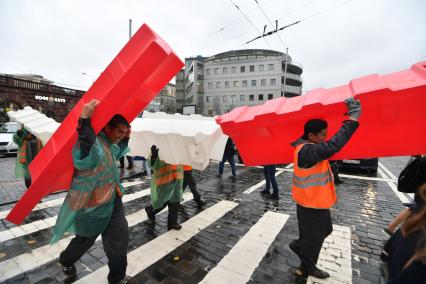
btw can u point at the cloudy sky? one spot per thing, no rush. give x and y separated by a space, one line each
337 40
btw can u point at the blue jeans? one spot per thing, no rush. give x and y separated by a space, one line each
231 161
269 173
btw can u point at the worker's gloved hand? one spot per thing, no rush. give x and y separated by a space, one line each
354 108
20 133
154 152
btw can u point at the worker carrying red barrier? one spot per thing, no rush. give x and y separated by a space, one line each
392 123
135 76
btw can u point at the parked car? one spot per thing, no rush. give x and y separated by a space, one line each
364 165
7 146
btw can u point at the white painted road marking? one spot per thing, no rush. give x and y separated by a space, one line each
45 254
146 255
260 183
38 225
335 257
241 261
59 201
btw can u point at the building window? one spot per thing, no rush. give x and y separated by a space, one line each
208 71
218 85
244 83
227 84
242 98
253 83
234 70
225 70
208 99
261 68
273 82
282 94
225 99
263 82
242 69
216 71
251 97
210 112
270 96
209 85
236 84
270 67
251 68
260 97
233 98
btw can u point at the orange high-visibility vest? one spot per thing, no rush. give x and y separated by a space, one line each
313 187
187 168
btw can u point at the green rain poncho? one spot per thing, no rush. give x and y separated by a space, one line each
166 183
25 152
88 205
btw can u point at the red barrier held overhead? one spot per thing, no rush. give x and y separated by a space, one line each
135 76
392 122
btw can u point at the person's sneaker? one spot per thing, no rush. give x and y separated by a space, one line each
129 280
151 217
200 203
233 177
69 271
219 175
174 227
316 272
265 192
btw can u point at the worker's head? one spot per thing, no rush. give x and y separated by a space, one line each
315 130
116 128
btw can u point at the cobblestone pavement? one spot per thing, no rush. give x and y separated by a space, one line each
238 237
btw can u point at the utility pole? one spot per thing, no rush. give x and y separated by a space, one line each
285 69
130 29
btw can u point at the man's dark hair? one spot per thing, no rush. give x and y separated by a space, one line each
314 126
116 120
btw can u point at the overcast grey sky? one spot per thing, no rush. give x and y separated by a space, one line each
60 39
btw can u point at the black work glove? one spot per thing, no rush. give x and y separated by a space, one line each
354 107
20 133
154 154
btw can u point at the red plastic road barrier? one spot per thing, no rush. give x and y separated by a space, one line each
392 122
137 74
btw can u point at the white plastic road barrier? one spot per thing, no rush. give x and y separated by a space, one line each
35 122
182 139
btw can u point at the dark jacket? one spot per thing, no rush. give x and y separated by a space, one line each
310 154
229 148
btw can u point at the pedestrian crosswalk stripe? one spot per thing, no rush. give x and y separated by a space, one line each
259 184
394 188
59 201
146 255
29 228
45 254
239 264
335 257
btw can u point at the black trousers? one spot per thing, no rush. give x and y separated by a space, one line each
129 160
314 226
115 240
172 218
188 180
335 170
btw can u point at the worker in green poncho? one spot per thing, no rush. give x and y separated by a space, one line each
28 148
93 205
166 189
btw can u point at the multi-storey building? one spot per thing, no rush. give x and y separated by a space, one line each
219 83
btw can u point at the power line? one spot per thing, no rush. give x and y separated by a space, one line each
272 32
247 18
270 22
